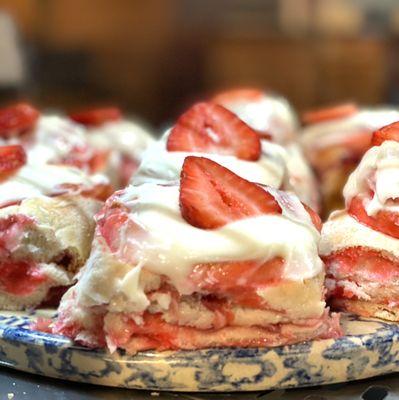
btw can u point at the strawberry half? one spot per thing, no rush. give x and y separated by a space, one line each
210 128
11 158
389 132
17 119
326 114
211 196
233 95
97 116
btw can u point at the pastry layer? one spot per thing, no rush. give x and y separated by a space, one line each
367 308
43 242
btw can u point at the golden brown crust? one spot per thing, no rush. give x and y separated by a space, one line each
367 309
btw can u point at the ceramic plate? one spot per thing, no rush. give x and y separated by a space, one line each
369 348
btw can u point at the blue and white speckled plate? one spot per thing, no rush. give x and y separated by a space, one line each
369 348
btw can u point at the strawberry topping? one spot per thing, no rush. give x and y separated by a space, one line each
11 159
212 196
97 116
17 119
384 221
389 132
330 113
210 128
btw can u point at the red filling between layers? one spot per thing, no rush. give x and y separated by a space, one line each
17 277
361 265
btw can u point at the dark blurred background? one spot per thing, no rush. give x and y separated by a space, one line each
152 57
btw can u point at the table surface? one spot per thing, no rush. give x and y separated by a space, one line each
15 385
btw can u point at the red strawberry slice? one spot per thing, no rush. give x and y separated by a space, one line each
11 158
389 132
210 128
17 119
384 221
326 114
212 196
233 95
97 116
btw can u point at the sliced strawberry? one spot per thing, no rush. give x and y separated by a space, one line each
97 116
212 196
11 158
389 132
315 218
326 114
384 221
210 128
236 95
17 119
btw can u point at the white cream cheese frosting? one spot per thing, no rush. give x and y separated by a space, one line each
33 180
378 171
333 132
159 165
54 139
269 113
123 136
167 245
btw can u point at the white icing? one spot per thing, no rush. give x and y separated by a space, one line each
333 132
54 139
342 231
123 136
34 180
379 171
271 114
159 165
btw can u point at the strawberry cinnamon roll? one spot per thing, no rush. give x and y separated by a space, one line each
46 227
211 130
212 260
122 140
49 139
360 245
334 141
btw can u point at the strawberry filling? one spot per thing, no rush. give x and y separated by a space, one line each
20 278
84 158
238 281
363 264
